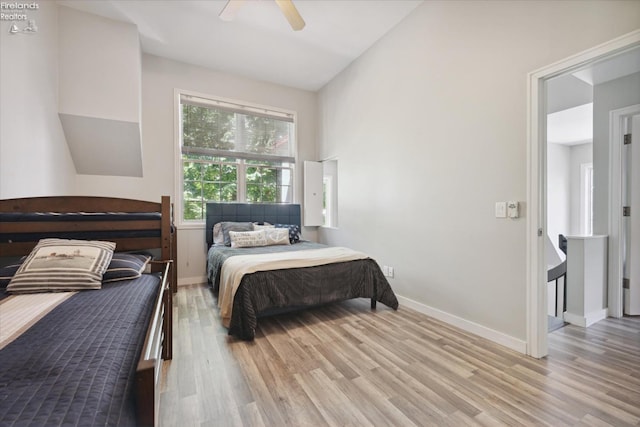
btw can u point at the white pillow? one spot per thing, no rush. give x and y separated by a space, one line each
262 226
247 239
277 236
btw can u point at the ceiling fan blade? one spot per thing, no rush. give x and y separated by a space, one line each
291 13
230 9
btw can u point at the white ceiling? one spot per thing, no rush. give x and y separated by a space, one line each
571 126
259 42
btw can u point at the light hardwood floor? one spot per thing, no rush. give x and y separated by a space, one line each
345 365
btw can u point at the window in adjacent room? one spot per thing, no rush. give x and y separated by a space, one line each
231 151
586 198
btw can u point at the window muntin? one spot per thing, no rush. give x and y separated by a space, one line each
231 152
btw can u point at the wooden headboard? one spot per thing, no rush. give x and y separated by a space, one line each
274 213
131 224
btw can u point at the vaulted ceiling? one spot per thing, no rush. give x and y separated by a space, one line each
259 43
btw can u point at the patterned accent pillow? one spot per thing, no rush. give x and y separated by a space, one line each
294 232
234 226
57 265
247 239
8 271
277 236
125 267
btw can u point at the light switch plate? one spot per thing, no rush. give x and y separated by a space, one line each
501 209
513 209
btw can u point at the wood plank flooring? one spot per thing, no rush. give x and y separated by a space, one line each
345 365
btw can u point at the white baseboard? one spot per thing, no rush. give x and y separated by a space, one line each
466 325
191 280
586 320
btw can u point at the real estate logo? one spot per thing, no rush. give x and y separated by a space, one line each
19 15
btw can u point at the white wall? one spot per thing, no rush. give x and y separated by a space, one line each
159 79
34 157
564 189
99 66
609 96
99 83
430 129
558 192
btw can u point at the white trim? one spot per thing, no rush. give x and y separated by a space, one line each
466 325
617 119
195 280
536 221
588 319
177 160
536 164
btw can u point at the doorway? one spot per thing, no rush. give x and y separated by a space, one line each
537 223
631 218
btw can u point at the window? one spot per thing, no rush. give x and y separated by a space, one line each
586 198
233 152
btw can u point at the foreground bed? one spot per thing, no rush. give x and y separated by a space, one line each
268 291
95 358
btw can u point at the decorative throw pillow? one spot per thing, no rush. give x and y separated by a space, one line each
218 237
261 225
277 236
234 226
247 239
125 267
63 265
8 271
294 232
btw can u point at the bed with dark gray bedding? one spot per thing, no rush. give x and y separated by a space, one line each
264 293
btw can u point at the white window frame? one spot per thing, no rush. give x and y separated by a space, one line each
178 169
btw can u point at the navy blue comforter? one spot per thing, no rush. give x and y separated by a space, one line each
76 366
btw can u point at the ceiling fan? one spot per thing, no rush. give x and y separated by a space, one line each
286 6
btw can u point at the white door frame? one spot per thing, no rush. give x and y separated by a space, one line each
617 119
536 179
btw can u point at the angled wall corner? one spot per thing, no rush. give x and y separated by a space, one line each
103 147
99 85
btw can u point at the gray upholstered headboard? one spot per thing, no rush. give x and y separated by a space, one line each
248 212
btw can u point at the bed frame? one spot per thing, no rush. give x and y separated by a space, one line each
245 212
166 240
159 340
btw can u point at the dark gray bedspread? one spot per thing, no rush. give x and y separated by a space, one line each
76 366
266 292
